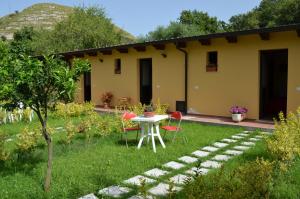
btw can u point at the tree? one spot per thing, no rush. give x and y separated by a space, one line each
22 39
190 23
202 21
39 84
269 13
84 28
244 21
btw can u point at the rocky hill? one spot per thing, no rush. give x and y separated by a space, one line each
43 15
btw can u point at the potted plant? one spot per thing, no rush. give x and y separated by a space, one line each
106 99
238 113
149 111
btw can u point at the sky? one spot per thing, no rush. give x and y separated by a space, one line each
141 16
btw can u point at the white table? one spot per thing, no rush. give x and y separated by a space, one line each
150 123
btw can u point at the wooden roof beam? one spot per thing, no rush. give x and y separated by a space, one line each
264 36
79 55
123 50
205 42
92 53
159 46
106 52
231 39
181 44
140 48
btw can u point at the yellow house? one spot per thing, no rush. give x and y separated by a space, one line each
258 69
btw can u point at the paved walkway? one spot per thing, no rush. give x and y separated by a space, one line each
180 171
215 120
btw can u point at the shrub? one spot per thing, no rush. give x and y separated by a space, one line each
137 109
73 109
27 140
70 132
284 145
27 114
252 180
4 155
161 109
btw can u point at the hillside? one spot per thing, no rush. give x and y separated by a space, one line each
42 15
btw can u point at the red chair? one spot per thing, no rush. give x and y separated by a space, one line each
126 117
176 117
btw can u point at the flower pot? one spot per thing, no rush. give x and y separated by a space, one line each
149 114
237 117
106 105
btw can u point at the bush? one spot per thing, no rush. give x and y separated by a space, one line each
73 109
284 145
4 155
252 180
27 140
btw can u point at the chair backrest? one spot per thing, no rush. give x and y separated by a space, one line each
128 115
176 115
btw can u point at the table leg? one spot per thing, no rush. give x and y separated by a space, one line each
149 134
142 136
158 135
153 139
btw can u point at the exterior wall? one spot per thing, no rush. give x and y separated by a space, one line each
167 75
237 81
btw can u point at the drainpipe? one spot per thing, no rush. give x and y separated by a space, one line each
185 76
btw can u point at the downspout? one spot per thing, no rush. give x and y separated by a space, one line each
185 76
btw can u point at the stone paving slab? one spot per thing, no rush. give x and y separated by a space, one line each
195 170
200 154
254 139
140 197
220 144
89 196
211 164
221 157
237 137
248 132
233 152
266 133
248 143
259 136
243 134
243 148
188 159
174 165
137 180
156 172
180 179
114 191
229 140
162 189
210 148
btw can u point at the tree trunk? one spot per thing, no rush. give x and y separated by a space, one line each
49 165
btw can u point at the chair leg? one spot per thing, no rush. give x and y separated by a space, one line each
174 137
137 136
165 134
126 139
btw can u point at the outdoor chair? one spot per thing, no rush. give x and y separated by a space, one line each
174 117
127 116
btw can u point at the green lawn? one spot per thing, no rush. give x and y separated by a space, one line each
83 168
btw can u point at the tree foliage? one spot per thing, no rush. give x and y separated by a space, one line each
39 84
85 27
269 13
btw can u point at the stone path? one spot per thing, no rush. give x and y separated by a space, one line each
182 170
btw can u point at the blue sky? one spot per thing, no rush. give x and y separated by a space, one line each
141 16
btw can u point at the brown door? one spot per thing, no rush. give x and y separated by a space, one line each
145 81
273 83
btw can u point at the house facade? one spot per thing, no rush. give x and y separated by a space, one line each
258 69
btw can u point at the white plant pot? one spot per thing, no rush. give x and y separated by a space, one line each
237 117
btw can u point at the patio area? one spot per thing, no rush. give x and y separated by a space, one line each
218 121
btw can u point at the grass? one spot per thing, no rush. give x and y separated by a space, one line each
83 168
